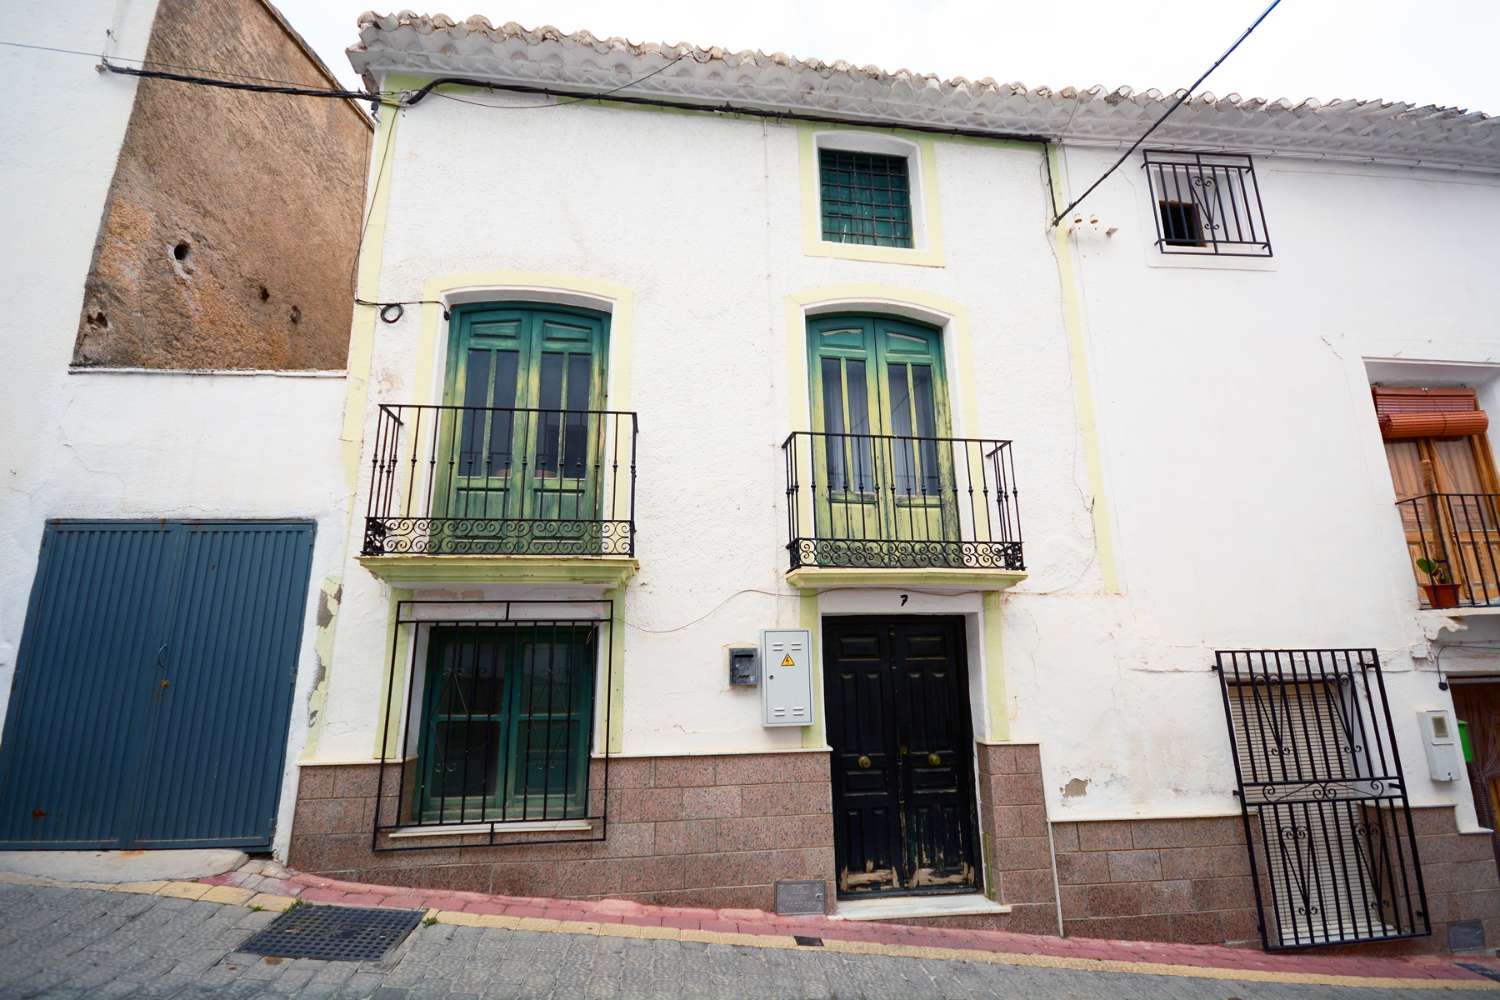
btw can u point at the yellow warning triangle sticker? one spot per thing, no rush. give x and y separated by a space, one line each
787 661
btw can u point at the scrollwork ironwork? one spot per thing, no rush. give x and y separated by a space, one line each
906 554
496 536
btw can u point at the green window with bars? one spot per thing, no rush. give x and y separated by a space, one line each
506 718
866 198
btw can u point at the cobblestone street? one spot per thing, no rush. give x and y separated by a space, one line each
80 943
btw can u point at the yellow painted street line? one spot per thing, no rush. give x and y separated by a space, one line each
953 954
235 896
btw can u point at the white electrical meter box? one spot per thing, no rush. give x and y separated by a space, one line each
1440 739
786 677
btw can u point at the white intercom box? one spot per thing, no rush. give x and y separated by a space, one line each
786 677
1440 739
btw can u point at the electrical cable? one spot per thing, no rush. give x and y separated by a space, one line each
359 247
790 593
391 312
1181 98
149 62
1439 648
570 96
429 88
294 90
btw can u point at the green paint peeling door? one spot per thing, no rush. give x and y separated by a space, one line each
882 470
521 453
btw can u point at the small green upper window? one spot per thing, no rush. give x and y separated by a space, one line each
866 198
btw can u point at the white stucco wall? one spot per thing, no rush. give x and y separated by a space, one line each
700 219
122 444
1243 471
1245 468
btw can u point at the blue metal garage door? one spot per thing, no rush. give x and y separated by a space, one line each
153 686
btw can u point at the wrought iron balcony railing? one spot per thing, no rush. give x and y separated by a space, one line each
1457 535
886 501
464 480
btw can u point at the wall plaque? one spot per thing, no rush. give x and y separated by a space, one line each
801 897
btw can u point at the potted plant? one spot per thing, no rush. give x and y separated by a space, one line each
1442 592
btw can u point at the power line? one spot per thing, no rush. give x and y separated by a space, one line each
359 248
149 62
294 90
430 88
1175 105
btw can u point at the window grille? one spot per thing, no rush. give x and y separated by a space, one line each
498 723
1333 849
1207 204
866 198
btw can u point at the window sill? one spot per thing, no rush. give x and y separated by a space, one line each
1204 261
526 826
878 255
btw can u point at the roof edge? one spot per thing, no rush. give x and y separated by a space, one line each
546 58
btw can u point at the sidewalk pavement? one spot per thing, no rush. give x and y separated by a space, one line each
262 877
731 934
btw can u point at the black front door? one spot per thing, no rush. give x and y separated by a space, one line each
898 721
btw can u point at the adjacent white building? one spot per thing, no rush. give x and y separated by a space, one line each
172 518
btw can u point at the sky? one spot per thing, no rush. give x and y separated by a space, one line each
1423 51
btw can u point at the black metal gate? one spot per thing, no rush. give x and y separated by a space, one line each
1333 852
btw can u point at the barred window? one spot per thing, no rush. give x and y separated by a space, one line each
866 198
505 724
1207 204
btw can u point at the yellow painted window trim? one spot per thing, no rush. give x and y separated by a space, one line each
924 203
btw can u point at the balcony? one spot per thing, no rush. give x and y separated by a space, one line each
868 508
459 494
1454 543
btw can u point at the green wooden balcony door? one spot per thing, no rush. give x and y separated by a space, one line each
880 399
520 461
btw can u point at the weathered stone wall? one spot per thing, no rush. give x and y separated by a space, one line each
229 233
1188 880
683 831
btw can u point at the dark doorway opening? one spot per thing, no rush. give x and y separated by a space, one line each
896 692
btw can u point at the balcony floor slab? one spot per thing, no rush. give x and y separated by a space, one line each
958 578
607 571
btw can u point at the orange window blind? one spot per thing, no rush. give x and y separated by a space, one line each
1408 412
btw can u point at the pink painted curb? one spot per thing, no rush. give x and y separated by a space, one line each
263 877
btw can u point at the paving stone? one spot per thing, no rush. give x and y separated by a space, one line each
61 944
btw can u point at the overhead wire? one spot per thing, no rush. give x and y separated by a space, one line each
1181 98
792 594
292 89
149 62
430 88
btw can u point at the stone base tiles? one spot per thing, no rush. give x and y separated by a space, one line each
1188 880
682 831
719 831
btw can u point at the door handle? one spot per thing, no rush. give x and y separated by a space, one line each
864 762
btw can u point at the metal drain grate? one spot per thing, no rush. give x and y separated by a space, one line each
333 933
